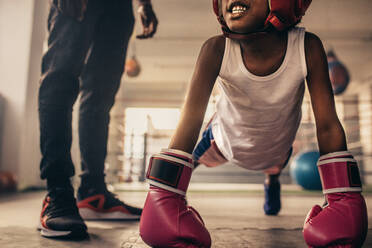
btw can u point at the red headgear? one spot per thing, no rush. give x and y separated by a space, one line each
283 14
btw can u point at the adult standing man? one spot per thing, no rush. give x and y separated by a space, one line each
86 53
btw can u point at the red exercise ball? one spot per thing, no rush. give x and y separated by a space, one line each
132 67
338 74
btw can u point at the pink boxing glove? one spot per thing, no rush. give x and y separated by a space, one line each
166 220
343 221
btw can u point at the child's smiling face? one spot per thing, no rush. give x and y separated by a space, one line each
245 16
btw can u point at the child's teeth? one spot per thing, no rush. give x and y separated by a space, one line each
238 9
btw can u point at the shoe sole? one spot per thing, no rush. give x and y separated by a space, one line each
88 214
49 233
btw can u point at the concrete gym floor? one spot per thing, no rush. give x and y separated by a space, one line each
233 216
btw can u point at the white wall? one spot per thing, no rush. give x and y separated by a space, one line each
22 31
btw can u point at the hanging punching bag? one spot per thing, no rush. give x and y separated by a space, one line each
338 73
132 67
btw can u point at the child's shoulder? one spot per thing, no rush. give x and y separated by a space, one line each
312 40
314 53
313 44
212 51
215 44
309 36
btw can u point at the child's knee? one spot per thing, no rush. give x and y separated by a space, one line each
274 170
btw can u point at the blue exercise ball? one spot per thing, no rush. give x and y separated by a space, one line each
304 171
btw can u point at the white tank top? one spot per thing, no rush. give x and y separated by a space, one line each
257 117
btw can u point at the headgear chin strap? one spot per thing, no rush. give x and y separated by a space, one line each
283 14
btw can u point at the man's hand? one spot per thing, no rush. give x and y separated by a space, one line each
148 19
73 8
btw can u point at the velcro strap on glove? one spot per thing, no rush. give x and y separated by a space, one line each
339 173
170 170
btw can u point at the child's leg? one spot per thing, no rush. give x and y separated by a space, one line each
272 174
207 152
272 204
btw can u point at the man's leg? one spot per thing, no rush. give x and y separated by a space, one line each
100 83
68 43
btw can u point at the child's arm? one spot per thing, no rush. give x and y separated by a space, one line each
206 71
166 220
331 136
343 221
